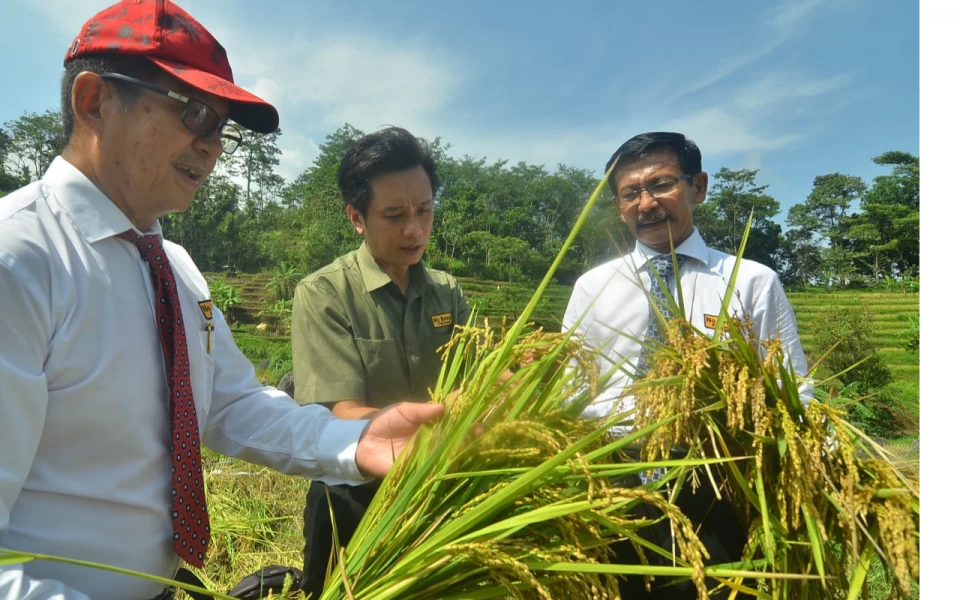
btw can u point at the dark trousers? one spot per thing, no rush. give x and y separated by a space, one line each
349 503
717 526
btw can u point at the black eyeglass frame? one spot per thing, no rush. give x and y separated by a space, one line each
638 192
230 136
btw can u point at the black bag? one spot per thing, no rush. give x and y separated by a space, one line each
252 587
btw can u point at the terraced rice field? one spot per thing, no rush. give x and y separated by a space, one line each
891 310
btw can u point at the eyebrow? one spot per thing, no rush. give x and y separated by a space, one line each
648 181
426 202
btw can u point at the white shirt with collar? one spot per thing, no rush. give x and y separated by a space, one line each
85 428
610 300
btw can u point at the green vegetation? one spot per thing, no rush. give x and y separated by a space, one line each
275 353
224 297
866 327
502 221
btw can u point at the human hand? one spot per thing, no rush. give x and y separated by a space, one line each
534 352
388 432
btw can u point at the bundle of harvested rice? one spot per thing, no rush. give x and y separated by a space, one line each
529 507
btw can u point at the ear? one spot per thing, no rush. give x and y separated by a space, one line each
699 184
89 97
356 219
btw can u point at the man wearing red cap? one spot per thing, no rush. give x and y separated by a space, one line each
114 364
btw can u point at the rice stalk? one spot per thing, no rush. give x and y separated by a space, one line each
535 492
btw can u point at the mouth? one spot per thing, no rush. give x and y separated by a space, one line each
189 174
653 221
412 249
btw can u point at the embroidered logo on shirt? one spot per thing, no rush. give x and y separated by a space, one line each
710 321
442 320
207 307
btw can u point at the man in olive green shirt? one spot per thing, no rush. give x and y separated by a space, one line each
366 328
358 339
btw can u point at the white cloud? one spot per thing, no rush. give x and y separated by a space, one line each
753 161
771 91
318 85
298 153
68 16
367 82
718 131
787 16
784 20
373 79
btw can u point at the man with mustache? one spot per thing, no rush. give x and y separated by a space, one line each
366 328
114 364
657 182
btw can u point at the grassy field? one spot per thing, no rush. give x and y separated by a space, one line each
257 515
891 313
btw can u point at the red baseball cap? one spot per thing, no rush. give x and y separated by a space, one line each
174 41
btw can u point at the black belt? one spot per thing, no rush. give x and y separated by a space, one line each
167 594
188 577
256 585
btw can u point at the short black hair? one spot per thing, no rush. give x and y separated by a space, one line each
645 144
138 67
389 150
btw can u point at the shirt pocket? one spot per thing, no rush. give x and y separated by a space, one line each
203 394
385 368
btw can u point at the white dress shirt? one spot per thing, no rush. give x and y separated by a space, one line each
84 408
614 309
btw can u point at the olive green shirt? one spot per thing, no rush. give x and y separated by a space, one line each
356 337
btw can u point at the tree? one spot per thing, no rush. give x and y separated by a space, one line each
844 336
315 227
255 162
722 218
885 236
800 259
824 217
9 181
210 228
451 216
35 140
6 144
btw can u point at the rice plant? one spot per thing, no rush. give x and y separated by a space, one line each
528 506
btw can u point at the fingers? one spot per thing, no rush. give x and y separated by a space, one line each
408 413
422 412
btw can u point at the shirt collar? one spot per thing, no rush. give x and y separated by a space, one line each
374 277
94 215
693 247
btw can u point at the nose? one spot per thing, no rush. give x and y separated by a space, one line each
211 145
412 228
647 201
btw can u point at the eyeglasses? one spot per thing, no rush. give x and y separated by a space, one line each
197 116
660 188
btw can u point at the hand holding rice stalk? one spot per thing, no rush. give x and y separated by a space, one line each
528 508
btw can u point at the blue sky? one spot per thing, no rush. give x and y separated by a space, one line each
796 89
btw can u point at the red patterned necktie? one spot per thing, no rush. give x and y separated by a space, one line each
191 525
